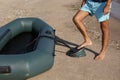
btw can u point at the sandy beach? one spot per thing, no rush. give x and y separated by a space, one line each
58 14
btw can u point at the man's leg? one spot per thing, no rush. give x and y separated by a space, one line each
77 19
105 38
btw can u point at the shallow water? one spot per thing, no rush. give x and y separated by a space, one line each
115 10
118 1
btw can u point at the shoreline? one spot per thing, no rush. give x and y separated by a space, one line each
115 10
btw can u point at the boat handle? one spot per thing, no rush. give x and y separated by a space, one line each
5 69
4 34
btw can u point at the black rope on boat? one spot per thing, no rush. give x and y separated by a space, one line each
63 42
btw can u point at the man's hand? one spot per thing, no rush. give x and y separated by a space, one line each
106 10
107 7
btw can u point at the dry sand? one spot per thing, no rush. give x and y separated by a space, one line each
58 14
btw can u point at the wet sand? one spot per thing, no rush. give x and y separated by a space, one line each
58 14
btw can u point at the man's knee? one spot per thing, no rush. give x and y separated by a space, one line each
104 23
76 19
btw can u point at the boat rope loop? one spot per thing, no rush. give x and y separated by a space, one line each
63 42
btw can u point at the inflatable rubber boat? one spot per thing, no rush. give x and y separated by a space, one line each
29 55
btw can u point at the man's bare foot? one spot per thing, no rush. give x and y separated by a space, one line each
100 57
87 43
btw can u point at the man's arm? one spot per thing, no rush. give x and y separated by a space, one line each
83 2
107 6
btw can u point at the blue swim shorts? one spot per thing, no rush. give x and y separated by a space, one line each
96 8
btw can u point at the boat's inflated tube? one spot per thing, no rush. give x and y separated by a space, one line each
23 66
